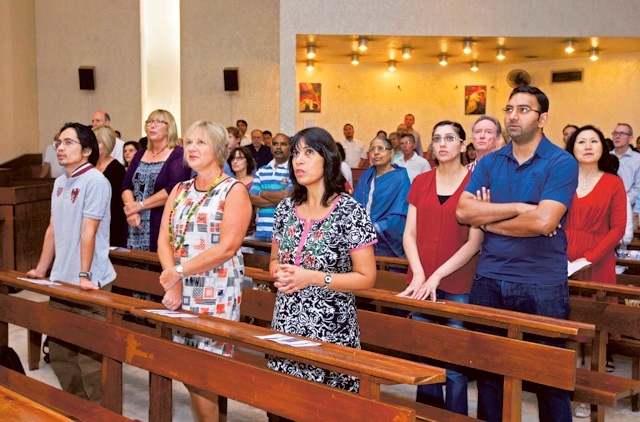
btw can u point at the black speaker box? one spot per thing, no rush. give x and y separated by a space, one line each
231 79
87 77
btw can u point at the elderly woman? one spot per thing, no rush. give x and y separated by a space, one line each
382 190
195 259
153 172
321 253
114 172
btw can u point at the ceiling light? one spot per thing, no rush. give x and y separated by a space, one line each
593 54
406 52
474 66
570 47
311 51
310 65
392 65
443 59
355 58
501 51
362 43
466 46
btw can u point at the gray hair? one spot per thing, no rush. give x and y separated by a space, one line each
491 119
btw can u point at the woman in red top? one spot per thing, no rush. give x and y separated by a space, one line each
440 251
596 220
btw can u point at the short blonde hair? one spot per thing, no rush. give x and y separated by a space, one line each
213 134
107 136
172 127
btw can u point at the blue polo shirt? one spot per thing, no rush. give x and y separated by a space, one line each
550 174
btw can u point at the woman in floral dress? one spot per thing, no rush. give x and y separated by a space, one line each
322 252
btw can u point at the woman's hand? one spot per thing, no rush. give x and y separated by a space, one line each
173 297
412 289
292 279
131 208
169 278
134 221
428 289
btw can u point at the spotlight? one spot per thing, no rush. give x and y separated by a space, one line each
593 54
466 46
406 52
570 47
474 66
443 59
362 43
355 58
501 51
311 51
310 65
392 65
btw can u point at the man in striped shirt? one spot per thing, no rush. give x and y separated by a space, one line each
270 186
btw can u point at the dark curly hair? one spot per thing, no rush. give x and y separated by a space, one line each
606 162
323 143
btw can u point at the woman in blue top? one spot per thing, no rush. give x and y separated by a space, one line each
382 190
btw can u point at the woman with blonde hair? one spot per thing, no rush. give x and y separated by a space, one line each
153 172
199 244
114 172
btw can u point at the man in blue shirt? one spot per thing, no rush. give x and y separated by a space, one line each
519 195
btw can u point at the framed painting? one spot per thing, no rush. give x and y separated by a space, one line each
475 99
310 97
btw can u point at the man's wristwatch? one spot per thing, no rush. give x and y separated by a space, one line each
86 275
180 271
327 280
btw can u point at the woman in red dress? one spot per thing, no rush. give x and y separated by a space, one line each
596 220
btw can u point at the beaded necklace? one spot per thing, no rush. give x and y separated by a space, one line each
193 210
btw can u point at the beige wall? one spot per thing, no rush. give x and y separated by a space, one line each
74 33
229 33
18 81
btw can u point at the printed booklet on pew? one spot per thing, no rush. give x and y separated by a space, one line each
289 341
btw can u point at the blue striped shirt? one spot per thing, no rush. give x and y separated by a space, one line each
269 179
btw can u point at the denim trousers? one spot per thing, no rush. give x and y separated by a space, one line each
550 300
456 394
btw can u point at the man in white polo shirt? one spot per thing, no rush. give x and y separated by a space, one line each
353 149
410 160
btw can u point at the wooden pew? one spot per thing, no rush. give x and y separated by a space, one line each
167 360
60 402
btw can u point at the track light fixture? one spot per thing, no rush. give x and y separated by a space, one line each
443 59
311 51
474 66
406 52
355 58
501 51
570 48
362 43
466 46
593 54
392 65
310 65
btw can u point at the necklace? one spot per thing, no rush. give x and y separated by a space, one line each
193 210
315 212
156 153
584 184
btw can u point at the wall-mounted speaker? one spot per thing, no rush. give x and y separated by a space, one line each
231 79
87 76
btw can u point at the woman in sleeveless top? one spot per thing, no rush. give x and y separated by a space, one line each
195 225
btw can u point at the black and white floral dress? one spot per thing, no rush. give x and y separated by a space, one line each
315 312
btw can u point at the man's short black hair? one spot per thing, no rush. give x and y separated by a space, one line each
87 139
243 122
543 100
266 132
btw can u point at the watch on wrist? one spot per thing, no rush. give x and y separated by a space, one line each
327 280
86 275
180 271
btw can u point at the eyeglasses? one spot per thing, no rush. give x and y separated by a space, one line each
620 134
156 122
448 139
518 109
379 149
66 142
406 143
238 158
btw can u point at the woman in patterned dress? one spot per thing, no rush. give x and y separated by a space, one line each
153 172
194 225
322 252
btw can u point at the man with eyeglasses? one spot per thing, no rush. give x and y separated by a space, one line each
356 154
486 131
78 238
519 196
261 153
629 170
102 118
414 163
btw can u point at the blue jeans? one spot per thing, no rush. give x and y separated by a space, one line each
539 299
431 394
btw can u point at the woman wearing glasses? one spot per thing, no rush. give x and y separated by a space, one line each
242 165
382 190
153 172
441 252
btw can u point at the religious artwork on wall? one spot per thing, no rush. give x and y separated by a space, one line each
310 97
475 99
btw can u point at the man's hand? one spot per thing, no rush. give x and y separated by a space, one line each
35 273
85 284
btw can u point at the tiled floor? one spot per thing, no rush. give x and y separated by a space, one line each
136 383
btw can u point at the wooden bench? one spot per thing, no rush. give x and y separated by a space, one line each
61 402
166 360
